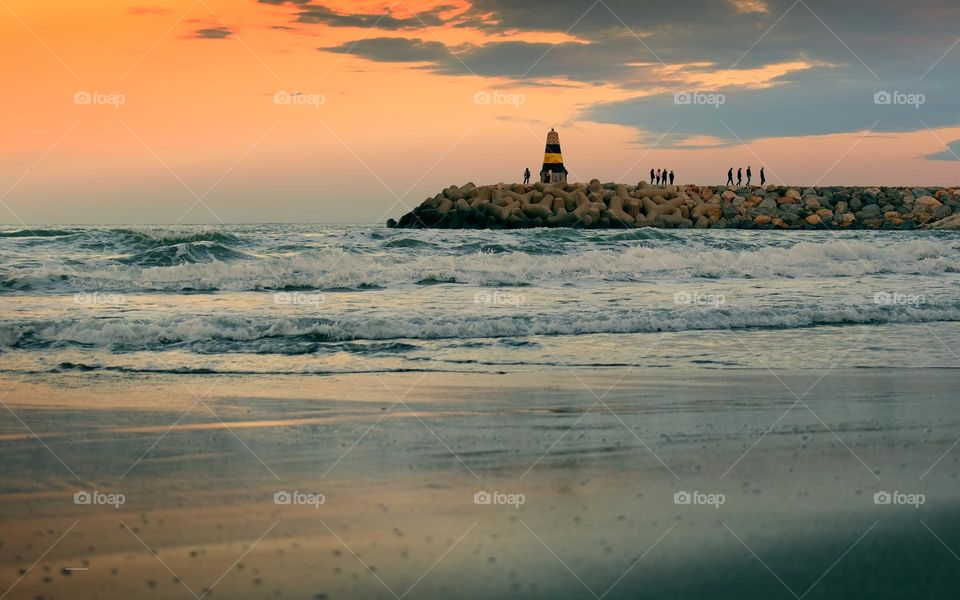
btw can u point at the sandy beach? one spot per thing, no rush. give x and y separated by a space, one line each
597 457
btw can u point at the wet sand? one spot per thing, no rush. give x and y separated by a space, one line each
597 455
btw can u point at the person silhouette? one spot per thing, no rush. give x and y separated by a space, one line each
749 176
526 176
658 176
671 177
651 176
763 177
730 176
739 177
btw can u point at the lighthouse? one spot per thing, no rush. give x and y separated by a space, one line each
553 171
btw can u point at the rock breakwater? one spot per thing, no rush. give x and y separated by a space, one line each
615 205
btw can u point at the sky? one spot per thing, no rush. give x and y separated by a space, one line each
233 111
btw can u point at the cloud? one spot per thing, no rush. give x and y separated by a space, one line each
529 63
787 110
951 152
393 50
213 33
750 6
808 68
318 14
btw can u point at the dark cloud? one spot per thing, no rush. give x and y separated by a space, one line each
951 152
521 61
785 111
213 33
317 14
854 48
394 50
620 33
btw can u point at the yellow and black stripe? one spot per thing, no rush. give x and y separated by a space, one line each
553 159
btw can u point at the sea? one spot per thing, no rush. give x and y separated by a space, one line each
330 299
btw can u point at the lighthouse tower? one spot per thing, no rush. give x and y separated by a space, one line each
553 171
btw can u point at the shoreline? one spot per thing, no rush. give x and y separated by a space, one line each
599 205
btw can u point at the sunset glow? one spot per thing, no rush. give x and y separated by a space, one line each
398 82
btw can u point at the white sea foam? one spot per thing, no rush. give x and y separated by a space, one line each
335 268
271 334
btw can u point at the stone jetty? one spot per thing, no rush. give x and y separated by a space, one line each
614 205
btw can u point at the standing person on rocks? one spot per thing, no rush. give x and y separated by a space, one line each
749 175
730 176
526 176
739 176
763 177
651 176
658 176
671 177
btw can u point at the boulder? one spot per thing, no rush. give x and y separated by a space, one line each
870 211
871 193
948 224
768 205
926 204
599 204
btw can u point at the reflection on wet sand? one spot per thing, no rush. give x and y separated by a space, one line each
347 497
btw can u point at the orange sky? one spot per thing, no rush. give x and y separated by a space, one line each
198 118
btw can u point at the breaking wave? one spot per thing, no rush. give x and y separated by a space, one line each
303 335
212 266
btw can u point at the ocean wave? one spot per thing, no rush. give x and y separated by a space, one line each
184 253
167 236
302 335
34 233
211 266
